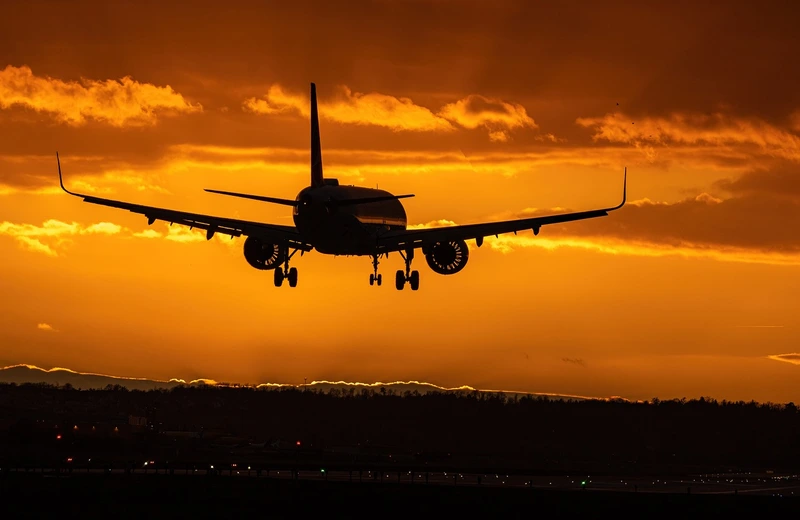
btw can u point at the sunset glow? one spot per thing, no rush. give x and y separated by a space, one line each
485 111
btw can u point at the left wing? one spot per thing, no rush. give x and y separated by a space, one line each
233 227
414 238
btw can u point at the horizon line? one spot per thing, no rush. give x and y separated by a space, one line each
376 384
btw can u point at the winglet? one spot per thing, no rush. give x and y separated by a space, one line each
624 191
61 179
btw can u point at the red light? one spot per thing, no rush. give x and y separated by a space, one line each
58 437
298 443
69 459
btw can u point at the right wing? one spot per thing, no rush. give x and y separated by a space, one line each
233 227
414 238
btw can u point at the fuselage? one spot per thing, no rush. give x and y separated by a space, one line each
346 229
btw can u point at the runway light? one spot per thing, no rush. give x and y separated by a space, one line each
58 437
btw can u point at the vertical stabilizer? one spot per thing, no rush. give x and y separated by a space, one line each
316 150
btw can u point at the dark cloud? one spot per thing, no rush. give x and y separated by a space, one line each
757 222
657 56
781 181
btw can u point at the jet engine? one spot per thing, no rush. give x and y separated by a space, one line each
263 255
447 257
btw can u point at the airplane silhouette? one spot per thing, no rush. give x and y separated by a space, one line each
345 220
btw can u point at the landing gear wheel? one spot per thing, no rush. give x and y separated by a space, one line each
292 277
413 280
278 277
400 280
372 279
379 279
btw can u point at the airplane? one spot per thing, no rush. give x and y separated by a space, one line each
345 220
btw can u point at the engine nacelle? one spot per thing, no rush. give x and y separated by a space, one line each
263 255
447 257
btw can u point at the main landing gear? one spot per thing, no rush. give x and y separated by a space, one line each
412 277
375 277
286 273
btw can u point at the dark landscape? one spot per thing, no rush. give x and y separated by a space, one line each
225 443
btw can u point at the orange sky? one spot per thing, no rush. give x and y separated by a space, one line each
484 110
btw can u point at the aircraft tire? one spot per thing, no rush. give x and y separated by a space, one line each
400 280
292 277
372 279
278 277
379 279
413 280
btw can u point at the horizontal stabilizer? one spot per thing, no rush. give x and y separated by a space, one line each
289 202
273 200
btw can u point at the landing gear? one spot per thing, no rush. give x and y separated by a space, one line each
375 277
286 273
413 280
412 277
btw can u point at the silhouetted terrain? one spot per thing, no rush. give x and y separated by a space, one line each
41 424
21 374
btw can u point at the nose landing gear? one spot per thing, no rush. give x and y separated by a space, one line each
412 277
375 277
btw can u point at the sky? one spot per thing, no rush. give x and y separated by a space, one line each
483 110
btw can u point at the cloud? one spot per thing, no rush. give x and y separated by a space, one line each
780 181
709 130
102 228
35 245
497 116
433 224
702 222
119 103
46 327
53 234
30 236
148 233
353 108
471 112
185 235
793 358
